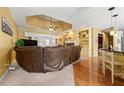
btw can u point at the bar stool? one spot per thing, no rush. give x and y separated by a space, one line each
111 60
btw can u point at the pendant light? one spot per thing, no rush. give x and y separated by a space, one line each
112 33
115 17
111 10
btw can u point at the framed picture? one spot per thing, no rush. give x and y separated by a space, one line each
6 27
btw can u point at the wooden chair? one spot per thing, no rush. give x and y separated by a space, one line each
112 60
100 60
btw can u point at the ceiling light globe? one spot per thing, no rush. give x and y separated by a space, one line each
51 29
111 33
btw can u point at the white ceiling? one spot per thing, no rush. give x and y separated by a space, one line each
98 17
62 13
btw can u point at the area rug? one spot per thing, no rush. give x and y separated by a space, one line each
19 77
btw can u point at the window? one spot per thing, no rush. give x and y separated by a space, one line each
47 42
43 39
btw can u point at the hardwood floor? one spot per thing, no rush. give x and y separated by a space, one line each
87 73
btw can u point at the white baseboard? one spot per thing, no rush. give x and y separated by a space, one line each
6 72
4 75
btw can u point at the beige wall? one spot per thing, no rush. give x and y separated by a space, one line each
20 34
6 41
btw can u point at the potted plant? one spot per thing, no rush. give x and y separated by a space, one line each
20 43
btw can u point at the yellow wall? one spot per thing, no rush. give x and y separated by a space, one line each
20 34
6 41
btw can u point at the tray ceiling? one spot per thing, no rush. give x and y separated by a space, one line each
43 22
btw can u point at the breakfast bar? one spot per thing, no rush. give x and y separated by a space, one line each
112 60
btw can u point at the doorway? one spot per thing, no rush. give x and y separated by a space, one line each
100 40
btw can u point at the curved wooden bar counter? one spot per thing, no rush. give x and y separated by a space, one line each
112 60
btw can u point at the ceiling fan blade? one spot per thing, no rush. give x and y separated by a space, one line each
56 27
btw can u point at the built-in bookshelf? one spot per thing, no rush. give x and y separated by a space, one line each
88 40
84 38
84 41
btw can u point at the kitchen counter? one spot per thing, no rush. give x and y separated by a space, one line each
113 51
112 58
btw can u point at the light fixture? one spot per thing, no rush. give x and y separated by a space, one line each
115 16
111 33
111 9
50 29
51 26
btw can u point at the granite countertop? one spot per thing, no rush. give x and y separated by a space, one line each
114 51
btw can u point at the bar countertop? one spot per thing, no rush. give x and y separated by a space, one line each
113 51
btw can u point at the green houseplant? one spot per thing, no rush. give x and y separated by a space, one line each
20 43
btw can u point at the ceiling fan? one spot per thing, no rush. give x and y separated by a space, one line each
51 27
